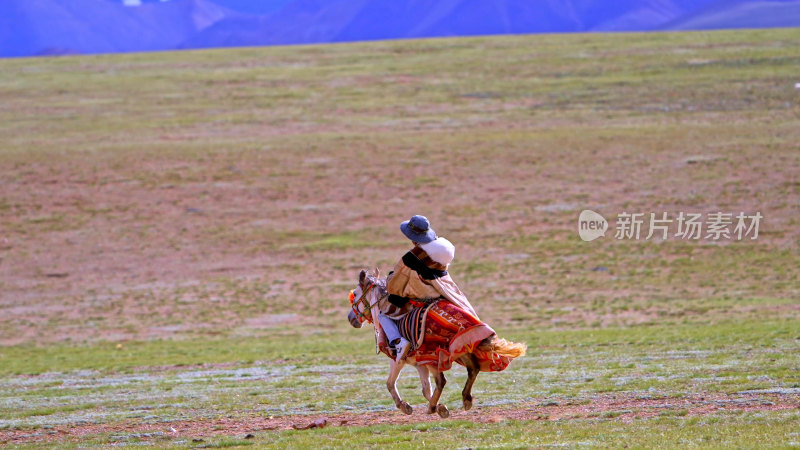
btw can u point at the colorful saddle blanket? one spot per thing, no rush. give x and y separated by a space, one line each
441 333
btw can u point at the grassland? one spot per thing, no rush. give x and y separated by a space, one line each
178 233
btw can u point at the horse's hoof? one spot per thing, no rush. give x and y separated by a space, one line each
467 405
443 412
431 410
406 408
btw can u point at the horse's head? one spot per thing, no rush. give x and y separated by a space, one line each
364 297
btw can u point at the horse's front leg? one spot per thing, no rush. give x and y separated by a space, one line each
391 384
425 380
433 404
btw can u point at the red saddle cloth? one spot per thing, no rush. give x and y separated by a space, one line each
445 334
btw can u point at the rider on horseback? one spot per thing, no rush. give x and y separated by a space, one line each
420 275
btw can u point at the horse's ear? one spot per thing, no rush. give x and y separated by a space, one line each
362 276
377 273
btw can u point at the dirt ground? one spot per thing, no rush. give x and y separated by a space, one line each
620 407
110 231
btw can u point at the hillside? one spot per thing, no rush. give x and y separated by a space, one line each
315 21
31 27
741 14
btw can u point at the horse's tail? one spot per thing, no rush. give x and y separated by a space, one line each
503 347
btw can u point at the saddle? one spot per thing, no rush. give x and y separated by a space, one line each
441 332
412 325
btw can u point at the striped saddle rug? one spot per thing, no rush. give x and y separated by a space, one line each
441 333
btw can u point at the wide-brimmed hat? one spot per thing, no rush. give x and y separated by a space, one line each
418 229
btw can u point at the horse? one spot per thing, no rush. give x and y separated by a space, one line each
474 345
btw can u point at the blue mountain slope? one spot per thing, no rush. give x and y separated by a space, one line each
309 21
300 22
254 7
740 14
29 27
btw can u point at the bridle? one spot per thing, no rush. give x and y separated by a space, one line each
362 316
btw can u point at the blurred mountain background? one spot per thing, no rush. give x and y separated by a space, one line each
47 27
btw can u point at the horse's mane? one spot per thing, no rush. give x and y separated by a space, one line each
380 282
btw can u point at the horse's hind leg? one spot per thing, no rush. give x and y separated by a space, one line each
473 368
425 380
391 385
433 405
